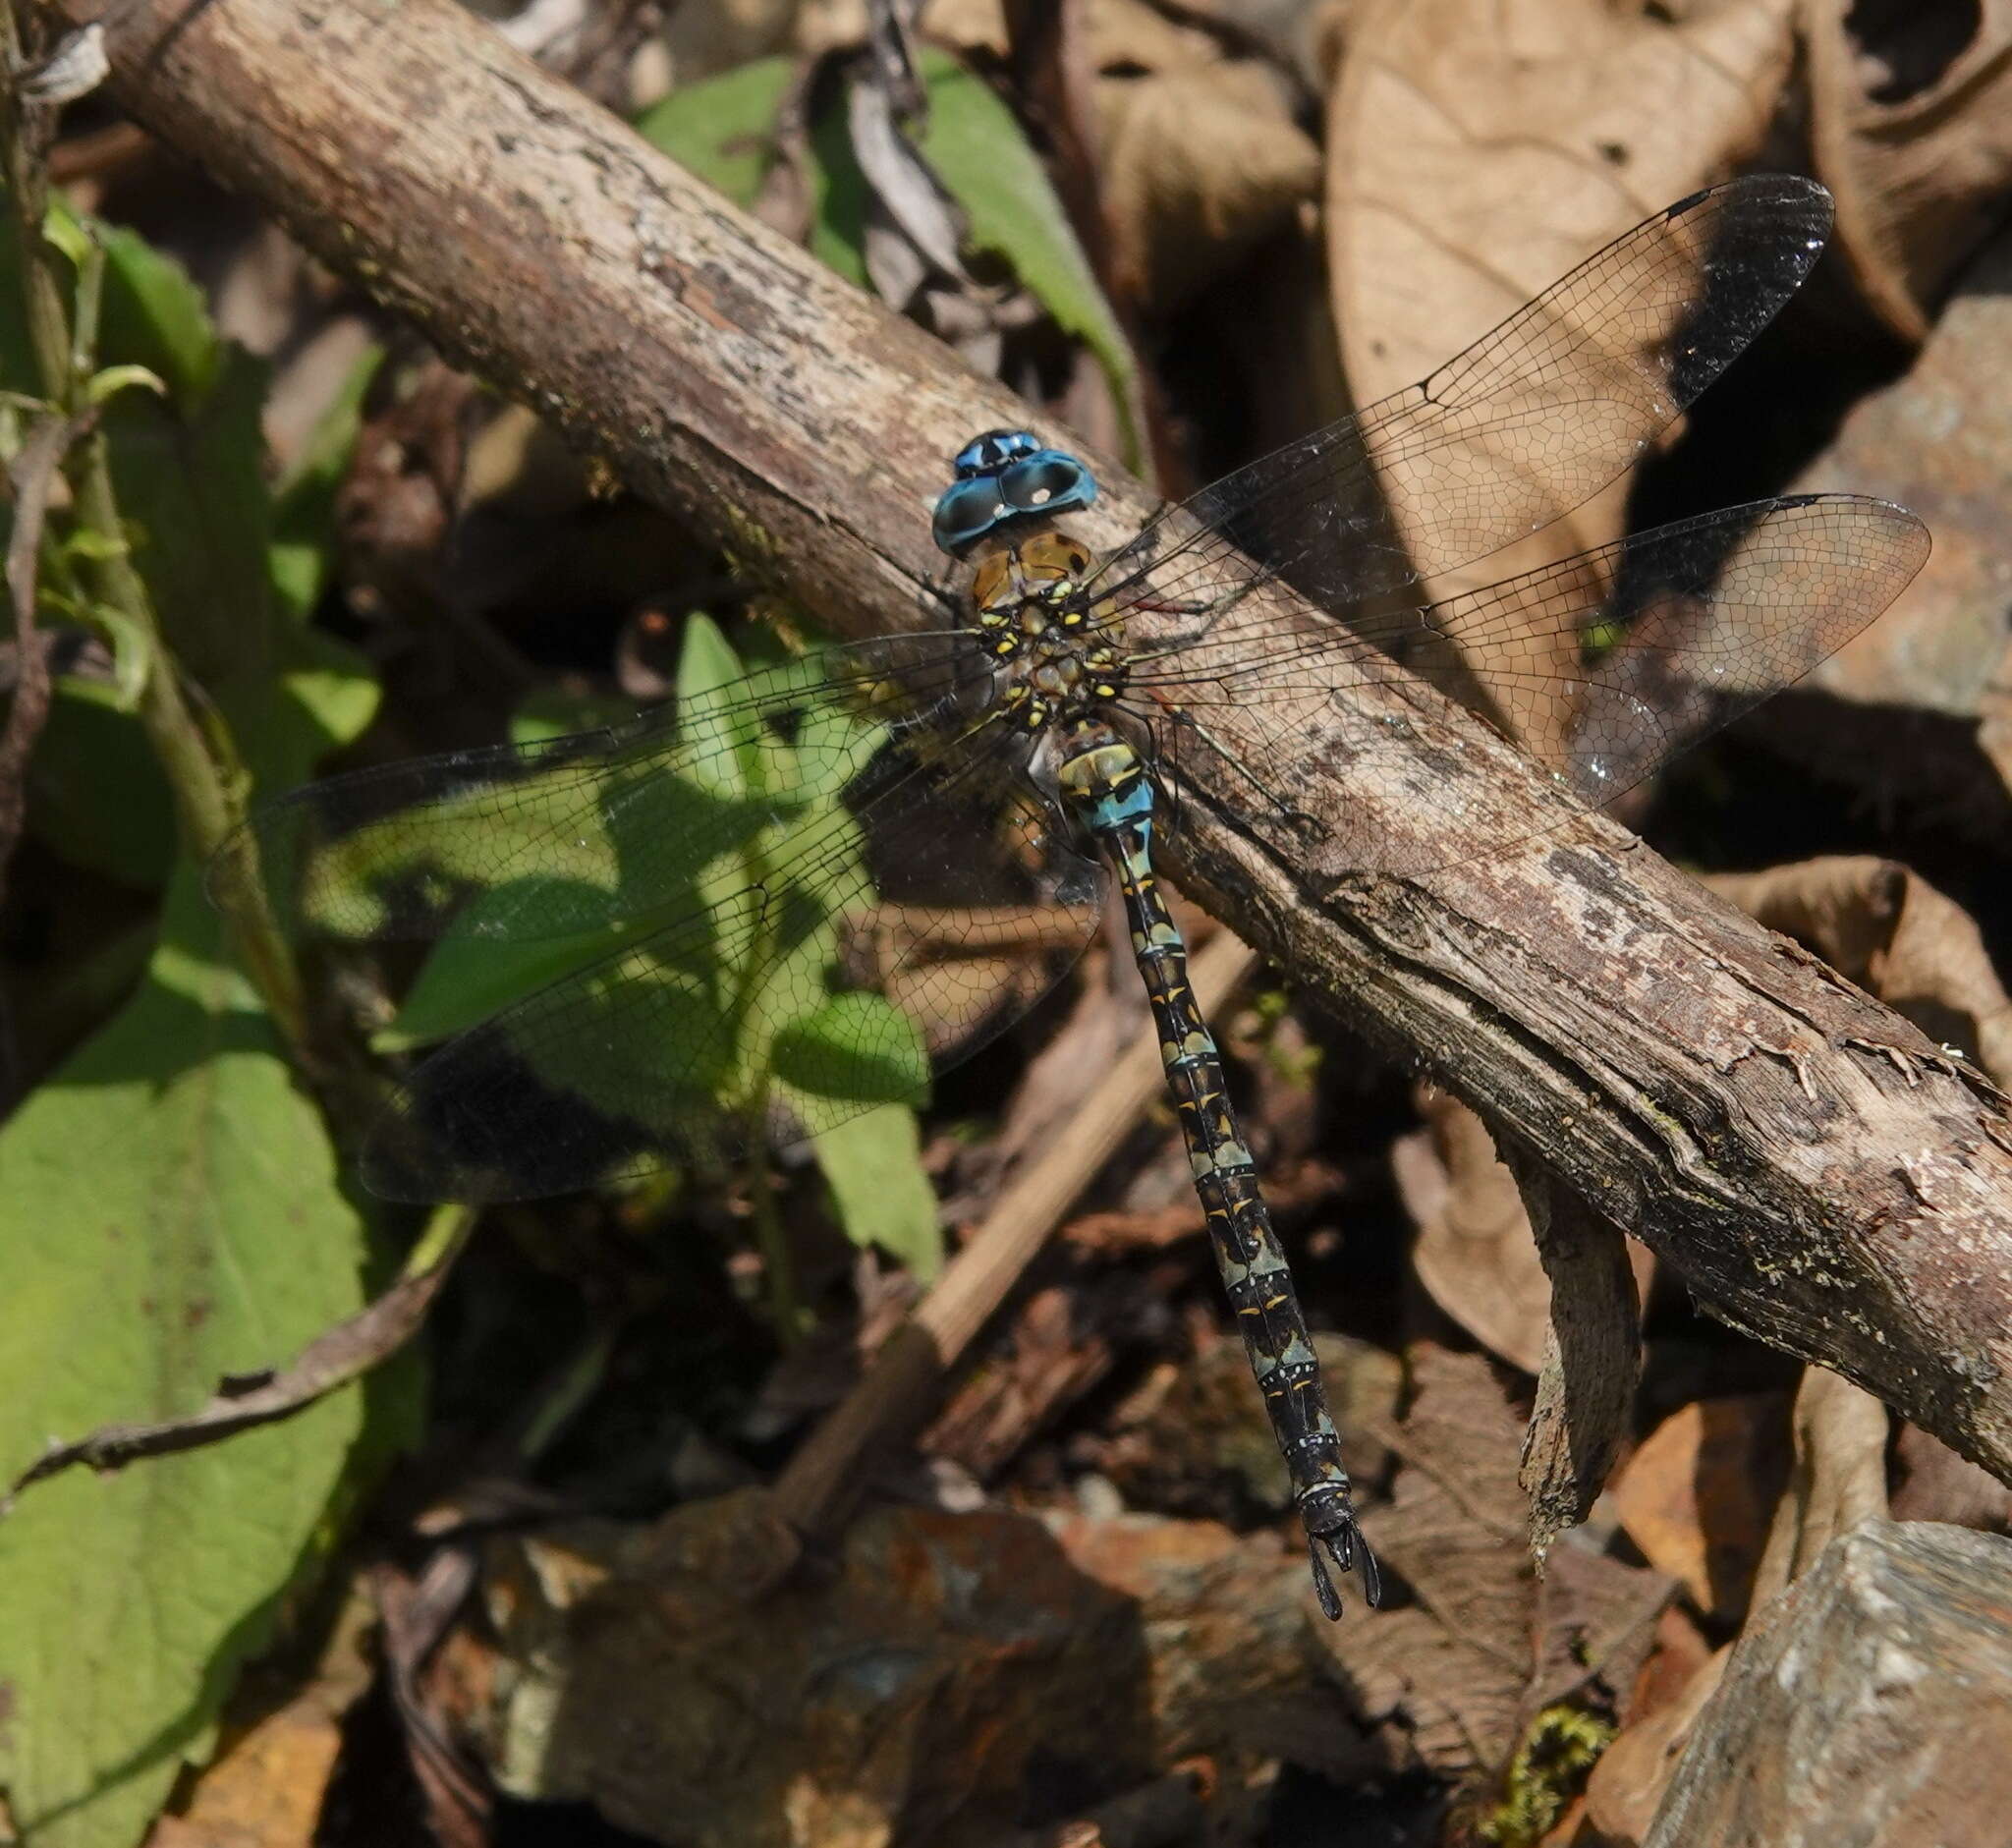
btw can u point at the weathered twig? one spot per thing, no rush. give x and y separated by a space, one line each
1815 1169
346 1352
33 471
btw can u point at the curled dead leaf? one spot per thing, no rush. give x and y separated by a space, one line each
1199 167
1940 439
1473 1252
1697 1497
1911 118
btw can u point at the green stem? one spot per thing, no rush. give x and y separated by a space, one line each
201 771
785 1306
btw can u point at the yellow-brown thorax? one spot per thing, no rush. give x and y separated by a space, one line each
1058 663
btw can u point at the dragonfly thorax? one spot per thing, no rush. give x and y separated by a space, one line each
1055 663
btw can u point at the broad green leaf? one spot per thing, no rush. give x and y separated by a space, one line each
469 978
303 505
873 1164
553 712
975 146
723 130
173 1216
462 844
857 1048
658 1049
97 793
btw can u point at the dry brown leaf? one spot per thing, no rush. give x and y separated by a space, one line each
1931 1483
266 1785
1892 932
266 1790
1837 1481
1697 1497
1911 118
1625 1790
1476 154
1199 167
1938 440
1463 1670
1473 1252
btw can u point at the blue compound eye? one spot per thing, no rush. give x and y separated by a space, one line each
1049 481
992 452
966 513
1035 482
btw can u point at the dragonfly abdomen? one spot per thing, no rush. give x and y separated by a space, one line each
1106 786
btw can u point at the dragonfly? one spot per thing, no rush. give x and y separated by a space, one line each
755 913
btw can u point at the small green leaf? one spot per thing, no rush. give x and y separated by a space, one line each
155 315
303 541
191 479
131 654
723 130
106 385
873 1164
555 711
977 149
87 542
173 1216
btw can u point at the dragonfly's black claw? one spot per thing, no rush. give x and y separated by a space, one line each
1350 1551
1323 1585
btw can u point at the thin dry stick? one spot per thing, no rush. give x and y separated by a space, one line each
905 1380
34 473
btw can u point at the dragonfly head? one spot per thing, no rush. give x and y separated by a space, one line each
1004 475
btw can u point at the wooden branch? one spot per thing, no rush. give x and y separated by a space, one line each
1816 1169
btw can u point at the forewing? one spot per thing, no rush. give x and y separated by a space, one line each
572 835
1529 422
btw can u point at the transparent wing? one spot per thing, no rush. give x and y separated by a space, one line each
809 975
763 911
574 834
1529 422
1677 632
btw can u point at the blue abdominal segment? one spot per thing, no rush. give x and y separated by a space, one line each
1004 475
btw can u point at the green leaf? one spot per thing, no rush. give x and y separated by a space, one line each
304 507
106 385
190 481
173 1216
555 711
707 668
469 978
857 1048
155 315
99 800
873 1164
723 130
976 147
